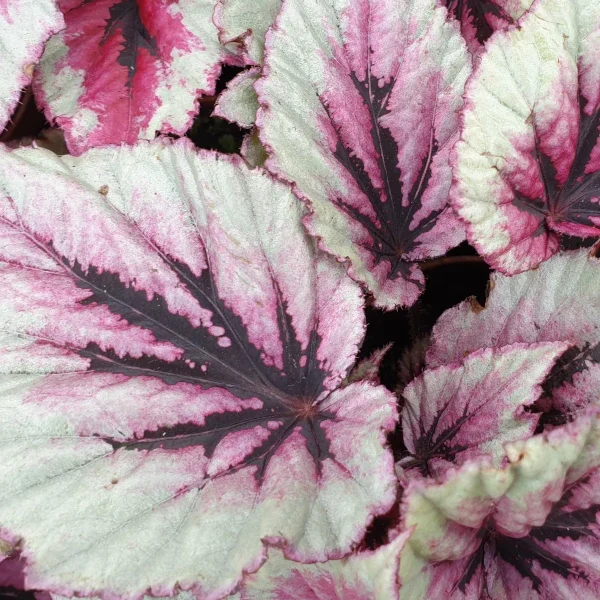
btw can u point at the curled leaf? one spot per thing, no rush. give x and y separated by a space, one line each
529 531
239 102
243 26
559 301
369 575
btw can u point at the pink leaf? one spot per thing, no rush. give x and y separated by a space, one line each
479 19
527 165
124 69
359 108
559 301
173 345
459 412
529 531
370 575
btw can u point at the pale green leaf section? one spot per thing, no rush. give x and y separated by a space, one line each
92 518
253 150
515 8
239 102
243 26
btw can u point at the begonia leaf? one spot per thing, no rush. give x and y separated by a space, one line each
253 150
368 368
124 69
359 108
25 25
239 102
479 19
528 531
172 345
458 412
243 26
527 165
558 301
368 575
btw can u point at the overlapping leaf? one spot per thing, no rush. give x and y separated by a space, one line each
124 69
243 26
527 165
172 345
239 101
480 18
370 575
25 25
558 301
459 412
359 108
526 532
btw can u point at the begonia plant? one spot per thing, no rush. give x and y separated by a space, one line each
256 370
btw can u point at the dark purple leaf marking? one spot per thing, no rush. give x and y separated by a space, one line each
570 202
287 395
473 14
522 553
125 17
575 360
432 444
392 238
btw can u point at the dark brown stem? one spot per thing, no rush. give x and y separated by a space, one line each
207 100
451 260
18 116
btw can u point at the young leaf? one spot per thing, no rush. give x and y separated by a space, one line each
370 575
243 26
457 412
368 368
173 344
526 532
527 166
24 27
253 150
559 301
124 69
359 108
480 18
239 102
